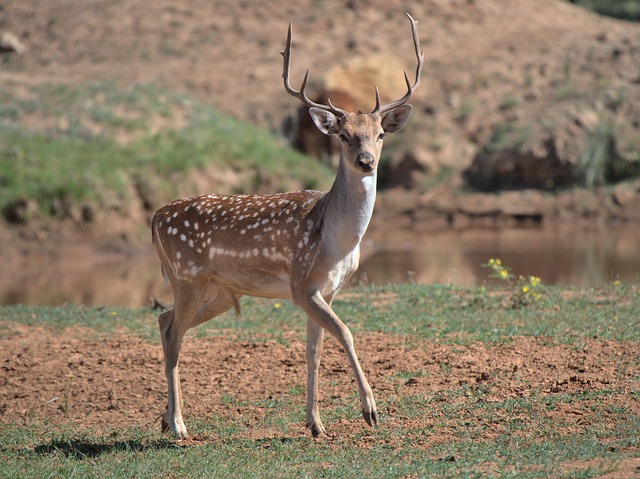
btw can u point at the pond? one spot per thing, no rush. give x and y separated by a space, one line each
564 256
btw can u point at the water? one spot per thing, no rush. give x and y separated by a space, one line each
564 256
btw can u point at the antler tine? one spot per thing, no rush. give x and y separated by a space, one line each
300 94
410 89
377 108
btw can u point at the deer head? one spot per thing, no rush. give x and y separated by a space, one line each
361 134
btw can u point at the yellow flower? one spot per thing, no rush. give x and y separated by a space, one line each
277 305
616 282
498 262
525 289
534 280
504 273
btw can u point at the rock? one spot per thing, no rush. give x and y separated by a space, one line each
587 119
20 211
406 168
625 196
10 43
517 167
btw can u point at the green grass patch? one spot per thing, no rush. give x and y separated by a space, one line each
87 143
28 453
444 313
623 9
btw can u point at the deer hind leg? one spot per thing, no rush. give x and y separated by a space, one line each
315 335
173 326
192 311
319 311
218 301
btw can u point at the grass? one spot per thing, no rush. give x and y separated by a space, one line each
444 313
89 143
595 160
460 430
508 135
622 9
130 453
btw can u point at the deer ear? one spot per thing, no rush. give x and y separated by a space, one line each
395 119
326 121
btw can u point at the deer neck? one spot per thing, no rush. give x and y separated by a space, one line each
348 207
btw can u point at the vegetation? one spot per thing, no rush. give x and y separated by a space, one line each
595 160
89 143
466 432
623 9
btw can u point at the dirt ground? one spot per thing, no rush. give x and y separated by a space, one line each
117 381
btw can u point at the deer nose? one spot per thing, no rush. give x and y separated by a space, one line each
365 161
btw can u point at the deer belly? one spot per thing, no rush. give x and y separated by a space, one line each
259 283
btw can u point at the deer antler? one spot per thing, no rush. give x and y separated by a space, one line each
300 94
410 89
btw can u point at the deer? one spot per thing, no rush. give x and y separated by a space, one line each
300 246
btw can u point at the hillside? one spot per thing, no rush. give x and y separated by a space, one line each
521 75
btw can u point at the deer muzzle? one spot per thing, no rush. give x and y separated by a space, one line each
366 162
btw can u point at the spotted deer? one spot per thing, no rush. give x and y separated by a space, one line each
301 246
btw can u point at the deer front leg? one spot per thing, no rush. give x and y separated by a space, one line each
315 335
319 311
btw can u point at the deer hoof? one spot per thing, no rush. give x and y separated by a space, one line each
180 432
371 418
317 430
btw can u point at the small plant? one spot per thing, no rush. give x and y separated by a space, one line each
594 162
465 110
526 290
509 102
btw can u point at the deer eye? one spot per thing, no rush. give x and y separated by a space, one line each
344 138
380 136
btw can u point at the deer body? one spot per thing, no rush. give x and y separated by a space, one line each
301 246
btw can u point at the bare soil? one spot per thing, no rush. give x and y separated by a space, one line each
106 383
